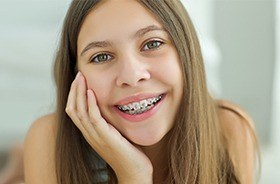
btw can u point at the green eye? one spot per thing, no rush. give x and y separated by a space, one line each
152 45
101 58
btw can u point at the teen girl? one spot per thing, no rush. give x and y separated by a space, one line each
133 106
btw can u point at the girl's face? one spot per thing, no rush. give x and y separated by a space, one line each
128 60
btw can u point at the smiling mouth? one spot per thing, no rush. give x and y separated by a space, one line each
140 107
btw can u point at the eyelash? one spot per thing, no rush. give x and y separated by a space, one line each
158 42
101 54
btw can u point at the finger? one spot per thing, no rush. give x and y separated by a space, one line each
99 124
71 96
81 100
82 108
94 113
71 104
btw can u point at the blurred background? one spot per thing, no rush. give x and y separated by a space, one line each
240 40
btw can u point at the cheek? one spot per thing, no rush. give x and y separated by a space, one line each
168 69
99 84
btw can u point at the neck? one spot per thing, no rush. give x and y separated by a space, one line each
158 155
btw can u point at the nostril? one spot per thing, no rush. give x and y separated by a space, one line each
141 80
131 73
132 79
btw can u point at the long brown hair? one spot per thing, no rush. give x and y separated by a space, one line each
197 153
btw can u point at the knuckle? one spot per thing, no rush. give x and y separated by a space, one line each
69 110
95 120
92 118
82 115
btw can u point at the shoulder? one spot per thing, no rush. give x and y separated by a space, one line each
238 129
39 150
45 125
230 111
235 121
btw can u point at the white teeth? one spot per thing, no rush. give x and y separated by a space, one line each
144 103
139 107
130 106
136 105
150 101
124 108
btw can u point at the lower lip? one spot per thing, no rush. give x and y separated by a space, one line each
143 116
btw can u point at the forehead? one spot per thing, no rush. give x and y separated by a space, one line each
112 19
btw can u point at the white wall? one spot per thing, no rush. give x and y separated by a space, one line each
245 31
271 159
201 12
202 15
29 32
276 88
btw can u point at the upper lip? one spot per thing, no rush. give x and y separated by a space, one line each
137 98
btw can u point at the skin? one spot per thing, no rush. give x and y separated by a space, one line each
139 59
139 147
132 69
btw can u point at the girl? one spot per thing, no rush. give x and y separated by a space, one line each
132 104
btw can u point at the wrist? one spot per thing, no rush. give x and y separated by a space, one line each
143 180
139 179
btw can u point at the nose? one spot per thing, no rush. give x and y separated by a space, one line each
132 72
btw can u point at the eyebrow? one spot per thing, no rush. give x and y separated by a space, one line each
139 33
145 30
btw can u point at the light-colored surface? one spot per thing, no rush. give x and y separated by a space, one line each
270 166
271 155
245 32
276 87
29 35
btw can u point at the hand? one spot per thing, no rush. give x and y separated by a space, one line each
129 162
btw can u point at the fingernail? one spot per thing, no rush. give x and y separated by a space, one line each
88 92
78 75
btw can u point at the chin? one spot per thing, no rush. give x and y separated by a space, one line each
145 140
